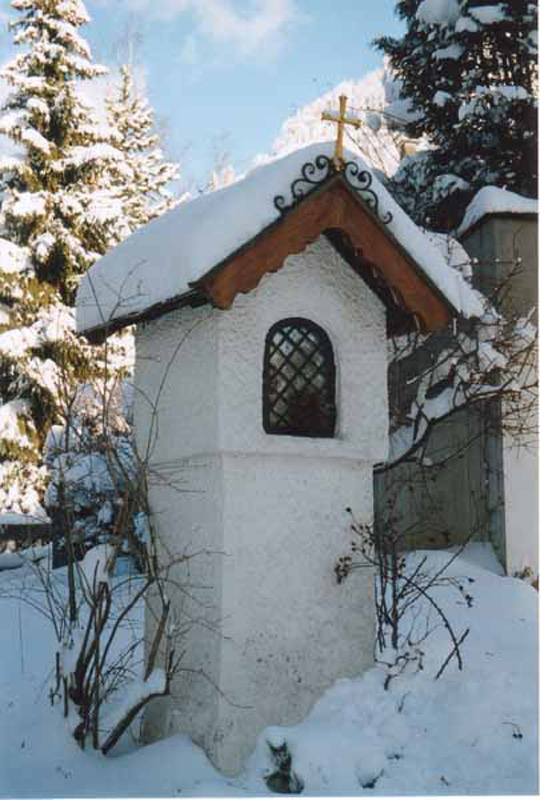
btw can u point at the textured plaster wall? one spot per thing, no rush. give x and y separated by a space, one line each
316 284
176 386
268 623
175 415
189 521
290 630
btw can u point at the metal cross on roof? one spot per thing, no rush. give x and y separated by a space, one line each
341 120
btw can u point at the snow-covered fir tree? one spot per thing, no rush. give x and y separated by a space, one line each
60 211
144 189
468 69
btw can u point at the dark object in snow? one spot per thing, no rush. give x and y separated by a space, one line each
283 780
371 783
516 733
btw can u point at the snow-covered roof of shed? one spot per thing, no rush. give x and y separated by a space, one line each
164 259
494 200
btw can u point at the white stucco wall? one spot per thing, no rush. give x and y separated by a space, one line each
190 523
318 285
271 627
290 629
176 386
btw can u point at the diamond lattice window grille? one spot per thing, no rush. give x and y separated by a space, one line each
299 380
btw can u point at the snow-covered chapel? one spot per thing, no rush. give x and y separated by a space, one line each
262 313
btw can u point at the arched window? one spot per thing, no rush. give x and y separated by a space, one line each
299 380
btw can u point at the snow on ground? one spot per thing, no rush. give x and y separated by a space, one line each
14 560
470 732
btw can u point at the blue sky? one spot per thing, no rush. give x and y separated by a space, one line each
225 74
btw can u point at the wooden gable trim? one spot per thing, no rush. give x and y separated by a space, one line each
332 207
398 318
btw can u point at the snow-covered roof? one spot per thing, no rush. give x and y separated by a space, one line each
493 200
162 261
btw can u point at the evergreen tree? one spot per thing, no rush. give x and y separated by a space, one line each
468 69
143 188
60 211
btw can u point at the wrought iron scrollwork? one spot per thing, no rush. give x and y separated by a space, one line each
315 173
360 181
312 175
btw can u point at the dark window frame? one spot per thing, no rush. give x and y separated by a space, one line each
326 428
